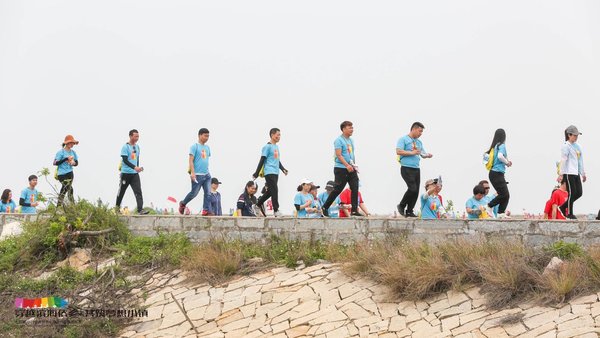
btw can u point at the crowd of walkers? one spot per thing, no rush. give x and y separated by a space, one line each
336 200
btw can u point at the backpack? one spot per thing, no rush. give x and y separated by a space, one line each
489 159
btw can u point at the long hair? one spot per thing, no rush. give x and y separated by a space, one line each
5 194
247 197
499 138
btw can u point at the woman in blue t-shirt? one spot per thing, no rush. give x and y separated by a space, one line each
500 162
65 160
7 205
304 199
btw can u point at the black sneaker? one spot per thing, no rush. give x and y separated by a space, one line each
143 212
325 212
356 214
571 216
410 214
400 209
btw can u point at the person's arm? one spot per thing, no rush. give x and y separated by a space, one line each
580 165
554 210
424 153
126 162
502 159
297 207
260 165
57 162
283 170
22 202
403 152
564 156
219 209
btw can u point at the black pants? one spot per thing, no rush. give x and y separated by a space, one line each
501 187
412 178
66 182
343 176
136 186
575 191
272 192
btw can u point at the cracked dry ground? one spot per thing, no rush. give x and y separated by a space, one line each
322 301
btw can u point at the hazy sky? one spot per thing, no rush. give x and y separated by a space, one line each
97 69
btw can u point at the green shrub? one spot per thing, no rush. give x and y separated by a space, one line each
564 250
160 250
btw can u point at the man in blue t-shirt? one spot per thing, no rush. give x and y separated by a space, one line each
410 150
198 169
130 172
476 205
270 164
29 197
344 169
334 209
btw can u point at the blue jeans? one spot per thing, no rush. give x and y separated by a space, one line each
204 183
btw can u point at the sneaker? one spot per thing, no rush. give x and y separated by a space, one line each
401 208
143 212
503 216
571 216
490 212
356 214
181 208
410 214
277 214
325 212
261 207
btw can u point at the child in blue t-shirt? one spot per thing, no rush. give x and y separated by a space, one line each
29 197
7 205
476 205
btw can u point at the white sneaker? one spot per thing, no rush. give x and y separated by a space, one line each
490 212
503 216
277 214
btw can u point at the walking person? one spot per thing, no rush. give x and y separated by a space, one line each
66 158
198 169
571 170
7 205
270 164
410 150
130 172
29 197
344 169
499 161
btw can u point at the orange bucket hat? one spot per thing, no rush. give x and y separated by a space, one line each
70 139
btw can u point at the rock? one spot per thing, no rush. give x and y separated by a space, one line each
11 229
554 265
78 259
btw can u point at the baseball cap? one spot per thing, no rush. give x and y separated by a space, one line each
330 185
429 182
572 130
214 180
306 181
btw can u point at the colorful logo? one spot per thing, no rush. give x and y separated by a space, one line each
203 154
349 148
40 303
32 198
275 154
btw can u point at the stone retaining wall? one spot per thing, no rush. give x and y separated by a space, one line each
199 229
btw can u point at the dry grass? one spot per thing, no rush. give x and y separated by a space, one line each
213 263
568 281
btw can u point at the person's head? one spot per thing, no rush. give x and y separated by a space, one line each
416 130
214 183
251 187
69 142
499 138
563 184
347 128
6 196
433 183
486 186
314 189
479 192
305 185
329 186
203 135
275 135
134 136
33 180
572 134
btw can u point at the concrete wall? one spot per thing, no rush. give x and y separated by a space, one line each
198 229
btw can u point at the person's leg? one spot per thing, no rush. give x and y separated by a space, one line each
353 183
64 181
504 195
272 183
495 180
194 191
576 191
136 186
412 178
341 179
124 182
205 183
70 188
265 196
567 207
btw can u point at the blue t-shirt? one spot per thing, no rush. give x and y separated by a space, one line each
133 156
201 154
334 209
498 165
488 199
347 147
65 167
408 143
8 207
430 207
300 200
271 152
30 196
472 203
315 204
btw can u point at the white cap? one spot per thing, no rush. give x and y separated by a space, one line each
306 181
